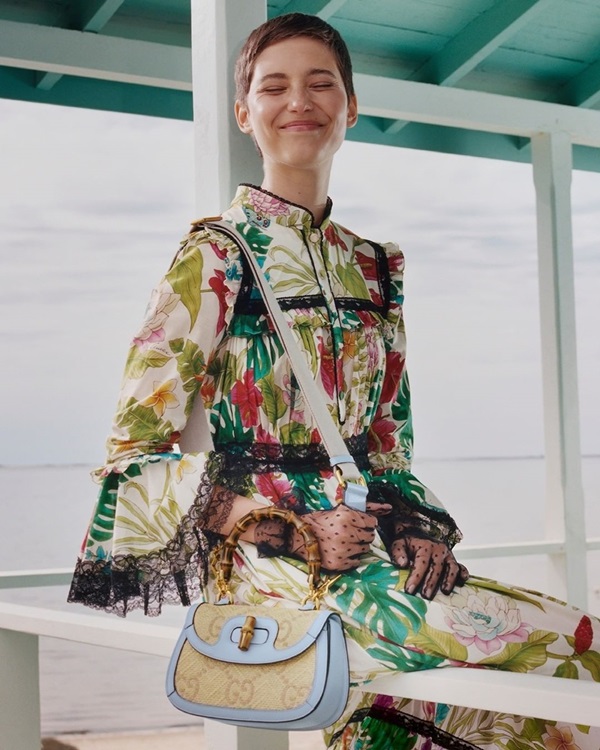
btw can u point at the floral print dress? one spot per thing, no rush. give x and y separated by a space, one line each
206 336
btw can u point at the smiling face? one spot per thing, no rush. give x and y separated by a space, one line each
297 109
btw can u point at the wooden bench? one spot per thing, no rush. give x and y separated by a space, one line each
574 701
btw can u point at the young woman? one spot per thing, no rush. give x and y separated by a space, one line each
406 602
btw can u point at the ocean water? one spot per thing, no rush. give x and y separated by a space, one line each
45 510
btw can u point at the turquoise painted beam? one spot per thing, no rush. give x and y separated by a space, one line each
93 15
86 15
584 89
478 40
446 140
90 93
474 43
322 8
46 81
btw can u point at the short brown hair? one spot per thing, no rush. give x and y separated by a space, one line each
288 26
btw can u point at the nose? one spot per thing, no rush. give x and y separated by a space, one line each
299 100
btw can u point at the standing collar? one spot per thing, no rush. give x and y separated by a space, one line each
261 206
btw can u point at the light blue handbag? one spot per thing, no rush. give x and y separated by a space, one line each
259 666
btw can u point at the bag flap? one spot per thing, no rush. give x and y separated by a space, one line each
279 633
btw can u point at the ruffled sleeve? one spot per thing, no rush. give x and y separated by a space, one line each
142 547
391 432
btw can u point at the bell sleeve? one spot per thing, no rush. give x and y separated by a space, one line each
143 546
390 436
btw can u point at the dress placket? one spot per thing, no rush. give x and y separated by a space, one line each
322 261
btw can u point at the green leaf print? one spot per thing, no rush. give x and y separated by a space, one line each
258 241
568 670
191 366
369 599
184 278
260 359
101 528
223 371
309 343
523 657
533 729
294 433
352 280
176 345
142 423
295 273
590 660
138 362
273 404
435 641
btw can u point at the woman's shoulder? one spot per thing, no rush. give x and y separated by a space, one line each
388 252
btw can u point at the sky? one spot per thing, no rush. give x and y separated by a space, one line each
94 204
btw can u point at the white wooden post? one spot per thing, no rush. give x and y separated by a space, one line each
19 691
552 167
224 157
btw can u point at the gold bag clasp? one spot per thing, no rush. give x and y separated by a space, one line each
246 633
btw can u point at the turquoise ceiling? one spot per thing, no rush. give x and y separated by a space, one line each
134 57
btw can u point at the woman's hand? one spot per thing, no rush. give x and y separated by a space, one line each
343 535
433 565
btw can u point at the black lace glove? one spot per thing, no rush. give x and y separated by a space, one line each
414 542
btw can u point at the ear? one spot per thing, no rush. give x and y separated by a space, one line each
243 117
352 111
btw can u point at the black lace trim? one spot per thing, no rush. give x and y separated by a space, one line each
433 523
417 727
262 458
383 276
173 575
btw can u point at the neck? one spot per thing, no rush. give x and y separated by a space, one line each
306 188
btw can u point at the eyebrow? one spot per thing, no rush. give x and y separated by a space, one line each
282 76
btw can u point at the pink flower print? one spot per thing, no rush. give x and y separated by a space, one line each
368 265
327 368
334 238
275 488
267 205
487 621
248 398
217 284
262 436
394 367
381 434
383 701
161 304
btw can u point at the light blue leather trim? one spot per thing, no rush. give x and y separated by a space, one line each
343 459
355 496
225 649
323 706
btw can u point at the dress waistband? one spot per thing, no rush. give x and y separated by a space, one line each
263 458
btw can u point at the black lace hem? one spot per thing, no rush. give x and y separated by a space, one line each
414 726
176 574
263 458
